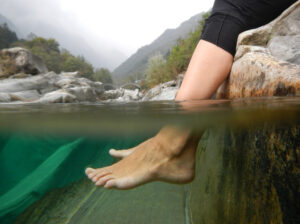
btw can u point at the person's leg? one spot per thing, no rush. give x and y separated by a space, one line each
170 155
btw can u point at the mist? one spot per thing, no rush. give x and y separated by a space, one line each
104 32
46 19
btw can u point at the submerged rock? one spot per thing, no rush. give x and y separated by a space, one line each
247 175
20 60
267 62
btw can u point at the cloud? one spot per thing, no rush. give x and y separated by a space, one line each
47 19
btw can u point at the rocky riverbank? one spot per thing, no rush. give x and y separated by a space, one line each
24 78
242 175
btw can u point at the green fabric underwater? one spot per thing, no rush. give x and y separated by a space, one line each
30 166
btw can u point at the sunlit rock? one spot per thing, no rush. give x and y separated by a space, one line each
267 62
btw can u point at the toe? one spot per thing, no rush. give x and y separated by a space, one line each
102 181
89 170
111 184
119 154
115 153
100 175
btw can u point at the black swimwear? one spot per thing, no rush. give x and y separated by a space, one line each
231 17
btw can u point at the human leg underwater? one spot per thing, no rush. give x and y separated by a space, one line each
170 155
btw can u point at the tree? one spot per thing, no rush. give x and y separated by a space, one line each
7 37
47 49
155 71
181 53
71 63
103 75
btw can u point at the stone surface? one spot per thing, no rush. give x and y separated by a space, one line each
165 91
267 62
59 96
82 202
247 176
50 88
112 94
20 60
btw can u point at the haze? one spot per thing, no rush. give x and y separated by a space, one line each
105 32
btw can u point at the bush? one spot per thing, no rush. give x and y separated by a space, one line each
182 53
155 71
103 75
70 63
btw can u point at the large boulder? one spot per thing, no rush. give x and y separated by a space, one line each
267 62
19 60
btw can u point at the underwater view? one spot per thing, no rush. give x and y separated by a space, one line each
161 112
247 162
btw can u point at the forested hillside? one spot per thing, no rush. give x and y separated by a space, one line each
55 58
134 67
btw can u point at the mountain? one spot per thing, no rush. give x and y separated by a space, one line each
97 53
10 25
136 64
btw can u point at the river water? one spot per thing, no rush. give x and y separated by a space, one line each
45 148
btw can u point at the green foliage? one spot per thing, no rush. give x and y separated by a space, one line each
47 49
71 63
103 75
7 66
55 59
7 37
160 70
155 71
181 54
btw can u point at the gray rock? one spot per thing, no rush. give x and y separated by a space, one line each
51 88
59 96
286 48
83 93
165 91
29 95
5 98
112 94
20 60
267 62
39 83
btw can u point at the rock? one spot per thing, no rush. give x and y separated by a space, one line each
83 93
267 62
247 175
51 88
28 95
59 96
165 91
121 95
20 60
5 98
112 94
128 95
41 83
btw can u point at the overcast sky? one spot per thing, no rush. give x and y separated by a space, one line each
125 25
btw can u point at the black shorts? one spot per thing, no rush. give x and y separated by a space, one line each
231 17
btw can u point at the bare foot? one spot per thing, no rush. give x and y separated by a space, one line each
120 154
172 162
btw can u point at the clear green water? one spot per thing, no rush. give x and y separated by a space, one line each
47 147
